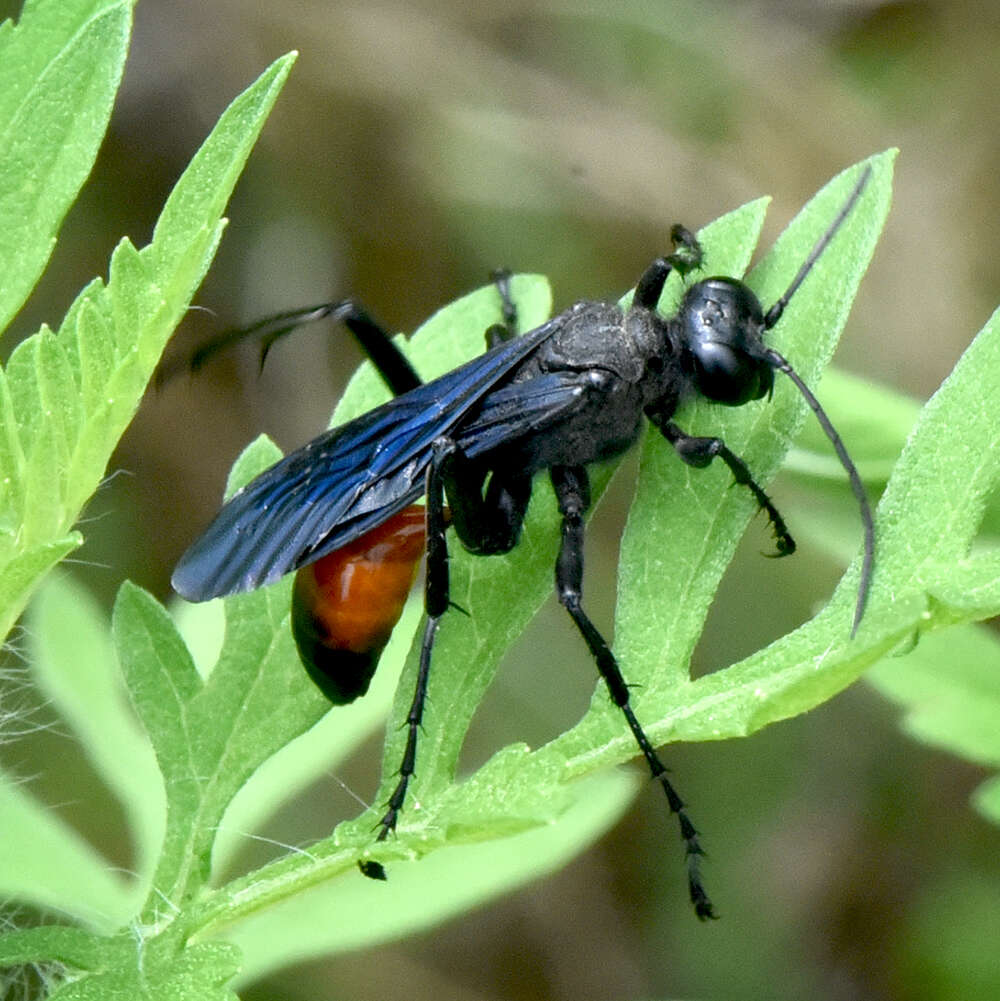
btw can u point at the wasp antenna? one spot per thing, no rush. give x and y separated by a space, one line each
774 359
774 313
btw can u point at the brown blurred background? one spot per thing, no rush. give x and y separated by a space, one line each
417 146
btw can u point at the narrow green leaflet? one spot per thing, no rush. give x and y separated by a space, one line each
60 67
941 548
929 526
685 523
931 569
352 913
210 736
66 398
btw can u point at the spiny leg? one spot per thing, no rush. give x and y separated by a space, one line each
699 452
436 601
486 526
500 332
572 490
377 343
685 258
397 372
414 718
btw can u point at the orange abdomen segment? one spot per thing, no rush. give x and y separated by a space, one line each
346 604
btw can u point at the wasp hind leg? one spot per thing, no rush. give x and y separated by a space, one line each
572 490
487 525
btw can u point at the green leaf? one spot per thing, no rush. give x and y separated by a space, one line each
352 912
203 970
685 523
932 570
162 681
73 947
22 572
59 71
66 398
211 735
929 526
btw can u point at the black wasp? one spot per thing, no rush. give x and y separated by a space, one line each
569 393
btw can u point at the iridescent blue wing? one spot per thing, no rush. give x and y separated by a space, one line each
344 482
521 409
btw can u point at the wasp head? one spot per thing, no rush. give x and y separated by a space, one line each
722 325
